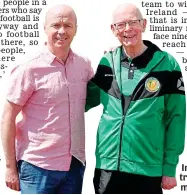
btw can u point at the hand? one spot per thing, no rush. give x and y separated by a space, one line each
168 182
12 179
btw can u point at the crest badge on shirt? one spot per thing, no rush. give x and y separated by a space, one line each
152 84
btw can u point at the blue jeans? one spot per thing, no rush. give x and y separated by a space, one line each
35 180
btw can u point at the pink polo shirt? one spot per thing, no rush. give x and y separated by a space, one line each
53 95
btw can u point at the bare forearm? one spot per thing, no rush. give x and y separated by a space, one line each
8 132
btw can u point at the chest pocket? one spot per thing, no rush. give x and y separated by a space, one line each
51 89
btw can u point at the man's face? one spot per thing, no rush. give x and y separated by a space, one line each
128 28
60 29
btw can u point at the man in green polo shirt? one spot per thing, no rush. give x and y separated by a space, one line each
142 129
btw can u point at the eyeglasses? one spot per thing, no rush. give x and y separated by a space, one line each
123 25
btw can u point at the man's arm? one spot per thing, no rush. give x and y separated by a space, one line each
20 89
93 95
175 119
93 92
8 133
98 82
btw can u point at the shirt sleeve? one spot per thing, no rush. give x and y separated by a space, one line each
20 86
175 120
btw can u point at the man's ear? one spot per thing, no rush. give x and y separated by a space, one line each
76 29
113 30
144 25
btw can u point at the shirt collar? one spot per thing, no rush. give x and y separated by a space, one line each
50 57
123 55
142 60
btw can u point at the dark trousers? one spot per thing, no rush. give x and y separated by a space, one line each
115 182
35 180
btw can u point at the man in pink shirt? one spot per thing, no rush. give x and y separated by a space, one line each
45 149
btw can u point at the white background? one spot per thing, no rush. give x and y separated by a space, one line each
93 38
